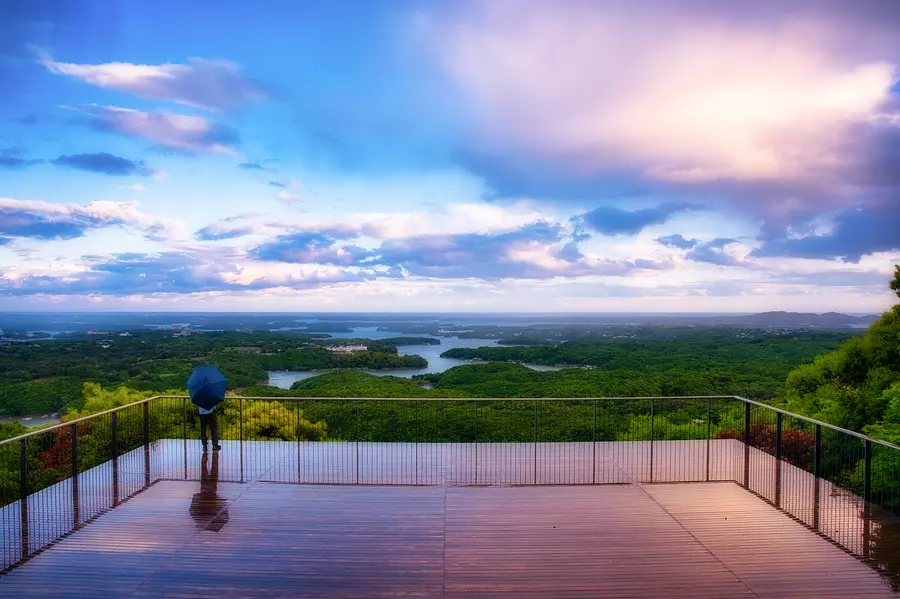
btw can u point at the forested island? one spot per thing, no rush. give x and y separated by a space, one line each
691 358
48 375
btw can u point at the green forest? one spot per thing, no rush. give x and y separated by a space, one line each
711 361
850 380
46 376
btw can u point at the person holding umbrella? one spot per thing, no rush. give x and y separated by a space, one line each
207 388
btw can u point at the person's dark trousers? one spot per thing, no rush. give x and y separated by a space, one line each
209 420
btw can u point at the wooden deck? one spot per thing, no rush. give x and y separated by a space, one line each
198 540
395 520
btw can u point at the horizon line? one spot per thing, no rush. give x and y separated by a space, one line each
456 313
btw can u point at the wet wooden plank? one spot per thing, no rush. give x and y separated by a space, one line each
774 555
575 542
198 539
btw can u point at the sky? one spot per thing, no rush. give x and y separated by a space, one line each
492 155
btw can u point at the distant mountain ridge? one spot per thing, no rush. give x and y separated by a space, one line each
793 320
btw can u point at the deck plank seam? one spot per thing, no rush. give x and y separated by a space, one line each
699 542
816 531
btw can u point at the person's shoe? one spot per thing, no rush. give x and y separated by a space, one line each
204 447
217 447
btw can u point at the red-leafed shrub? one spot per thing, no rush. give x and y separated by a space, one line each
730 433
59 456
60 453
797 446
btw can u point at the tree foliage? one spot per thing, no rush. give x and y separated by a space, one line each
895 284
858 385
710 362
47 376
40 396
853 386
96 399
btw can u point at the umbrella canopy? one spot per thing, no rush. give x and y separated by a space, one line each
206 386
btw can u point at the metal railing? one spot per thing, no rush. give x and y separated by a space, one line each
838 482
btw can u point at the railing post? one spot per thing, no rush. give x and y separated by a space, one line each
184 433
778 429
652 435
867 473
867 533
357 441
23 494
241 435
708 433
594 447
778 435
476 441
867 496
817 452
146 443
746 423
418 435
746 444
114 454
114 434
23 469
75 513
146 423
534 403
299 443
817 472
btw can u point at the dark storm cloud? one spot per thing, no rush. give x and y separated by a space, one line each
856 233
609 220
104 163
677 241
713 252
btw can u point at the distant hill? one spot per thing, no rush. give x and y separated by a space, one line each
797 320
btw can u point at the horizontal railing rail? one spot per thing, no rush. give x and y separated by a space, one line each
817 422
836 481
87 418
775 409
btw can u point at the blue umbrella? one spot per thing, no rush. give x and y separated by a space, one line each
207 387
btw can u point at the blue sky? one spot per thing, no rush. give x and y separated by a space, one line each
449 156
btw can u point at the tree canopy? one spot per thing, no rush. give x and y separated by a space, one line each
858 385
895 284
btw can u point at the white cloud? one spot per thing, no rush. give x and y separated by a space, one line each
173 131
137 187
208 84
61 268
45 220
283 275
451 219
289 198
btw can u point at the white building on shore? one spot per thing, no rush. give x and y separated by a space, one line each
347 349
